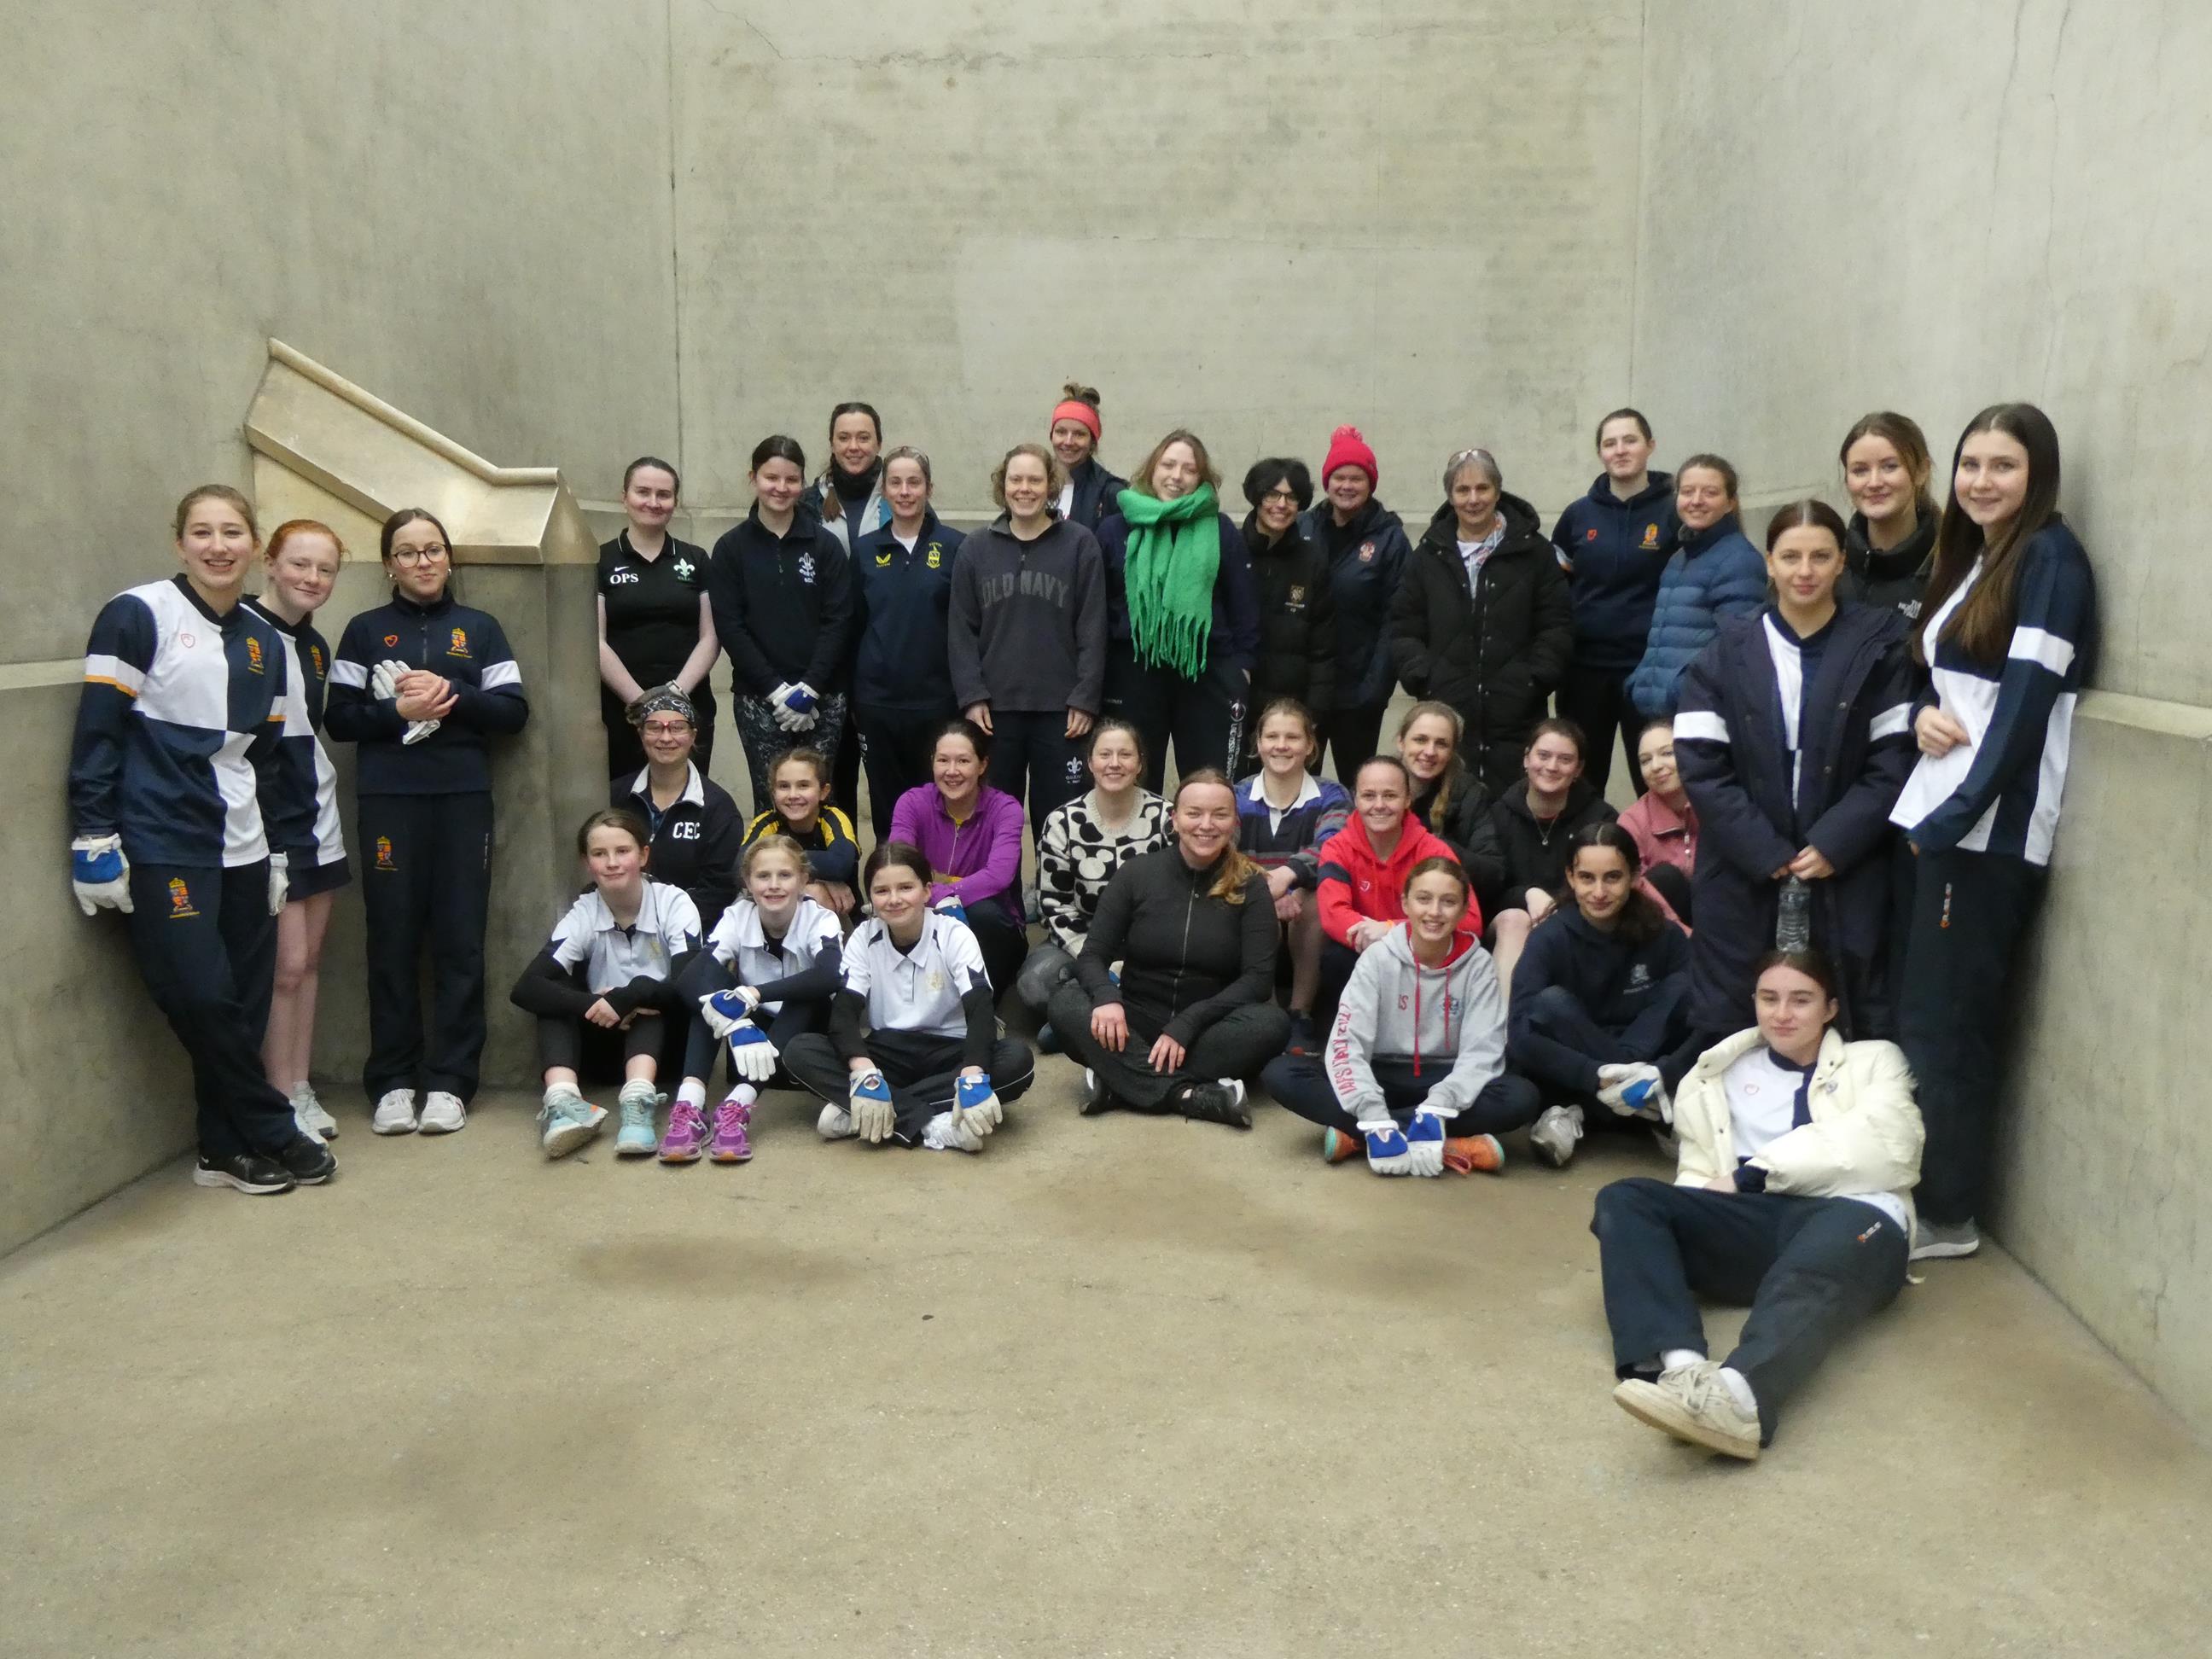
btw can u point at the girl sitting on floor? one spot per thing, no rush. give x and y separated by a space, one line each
798 785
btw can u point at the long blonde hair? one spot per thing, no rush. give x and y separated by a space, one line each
1236 870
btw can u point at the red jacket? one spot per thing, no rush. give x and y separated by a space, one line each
1356 886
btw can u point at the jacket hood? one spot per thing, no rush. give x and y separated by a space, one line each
1695 542
1398 945
1521 524
1656 485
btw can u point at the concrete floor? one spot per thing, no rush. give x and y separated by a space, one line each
1123 1387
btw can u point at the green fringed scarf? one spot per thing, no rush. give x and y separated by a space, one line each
1174 555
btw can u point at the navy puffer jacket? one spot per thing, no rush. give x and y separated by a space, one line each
1716 572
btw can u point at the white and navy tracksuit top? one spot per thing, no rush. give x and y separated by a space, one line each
467 649
307 666
181 730
2000 791
739 943
612 956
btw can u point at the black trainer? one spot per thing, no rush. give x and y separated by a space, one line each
308 1162
1096 1096
247 1172
1212 1103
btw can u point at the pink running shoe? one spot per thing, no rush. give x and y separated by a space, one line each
687 1134
732 1141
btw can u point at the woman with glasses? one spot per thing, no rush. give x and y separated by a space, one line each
656 627
693 829
422 684
1297 613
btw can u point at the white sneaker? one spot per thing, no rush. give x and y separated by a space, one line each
443 1112
1693 1403
1553 1136
395 1113
835 1123
305 1124
946 1133
309 1106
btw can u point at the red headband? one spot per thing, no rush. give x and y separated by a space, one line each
1073 411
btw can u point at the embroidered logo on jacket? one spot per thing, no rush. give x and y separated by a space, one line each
315 656
1367 552
1590 535
459 648
1650 535
383 854
391 639
806 568
1297 599
683 568
252 655
1639 977
936 559
181 900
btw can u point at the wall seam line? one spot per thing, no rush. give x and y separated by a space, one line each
674 231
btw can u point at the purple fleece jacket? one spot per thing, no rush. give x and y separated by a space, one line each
983 855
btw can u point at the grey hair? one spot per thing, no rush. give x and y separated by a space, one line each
1467 457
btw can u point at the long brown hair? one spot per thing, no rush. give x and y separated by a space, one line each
1902 433
1641 918
1454 773
1236 870
1141 480
1982 625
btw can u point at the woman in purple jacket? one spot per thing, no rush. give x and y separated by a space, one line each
971 834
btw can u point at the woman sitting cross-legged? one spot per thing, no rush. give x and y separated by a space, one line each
1415 1068
912 1054
1194 930
1799 1152
770 967
1083 844
1600 1006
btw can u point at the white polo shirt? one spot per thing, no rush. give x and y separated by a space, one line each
916 990
610 955
739 942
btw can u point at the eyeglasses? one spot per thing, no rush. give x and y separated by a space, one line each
665 728
430 555
1278 495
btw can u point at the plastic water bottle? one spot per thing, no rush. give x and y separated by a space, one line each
1792 922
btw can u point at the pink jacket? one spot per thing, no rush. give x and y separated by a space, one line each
1661 837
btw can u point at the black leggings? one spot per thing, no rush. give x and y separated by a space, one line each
1236 1045
1004 938
1300 1083
919 1066
1203 718
600 1054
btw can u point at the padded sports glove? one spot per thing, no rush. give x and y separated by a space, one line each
384 678
725 1010
869 1103
1387 1154
1635 1091
100 874
950 905
752 1056
974 1106
280 881
1425 1144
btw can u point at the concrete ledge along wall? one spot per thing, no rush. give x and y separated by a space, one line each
575 236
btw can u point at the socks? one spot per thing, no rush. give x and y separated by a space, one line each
691 1092
1740 1388
744 1094
1673 1359
640 1088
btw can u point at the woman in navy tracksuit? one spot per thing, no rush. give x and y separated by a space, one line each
1090 494
1367 551
1613 544
902 675
1793 740
185 827
1172 673
422 683
1716 574
2010 633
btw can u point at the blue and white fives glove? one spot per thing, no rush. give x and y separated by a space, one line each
950 905
869 1103
1635 1091
974 1106
100 874
752 1056
725 1010
1387 1154
383 682
1425 1144
794 706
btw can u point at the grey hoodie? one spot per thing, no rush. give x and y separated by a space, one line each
1449 1022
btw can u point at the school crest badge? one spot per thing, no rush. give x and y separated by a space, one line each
806 569
1367 552
383 854
252 655
683 568
181 900
1650 535
459 645
315 656
936 559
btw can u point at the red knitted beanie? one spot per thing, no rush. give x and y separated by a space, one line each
1347 448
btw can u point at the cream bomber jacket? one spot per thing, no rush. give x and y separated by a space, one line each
1864 1136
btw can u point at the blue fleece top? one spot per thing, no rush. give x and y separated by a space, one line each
1716 572
1615 552
901 601
1629 990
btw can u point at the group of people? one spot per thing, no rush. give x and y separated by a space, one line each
1453 941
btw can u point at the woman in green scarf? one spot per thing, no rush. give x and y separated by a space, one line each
1184 612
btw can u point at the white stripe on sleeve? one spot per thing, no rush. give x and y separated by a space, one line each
2038 645
1700 726
113 670
351 674
497 674
1892 722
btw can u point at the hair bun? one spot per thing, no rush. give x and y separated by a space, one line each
1081 393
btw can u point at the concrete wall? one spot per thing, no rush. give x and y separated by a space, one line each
1851 208
1260 219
